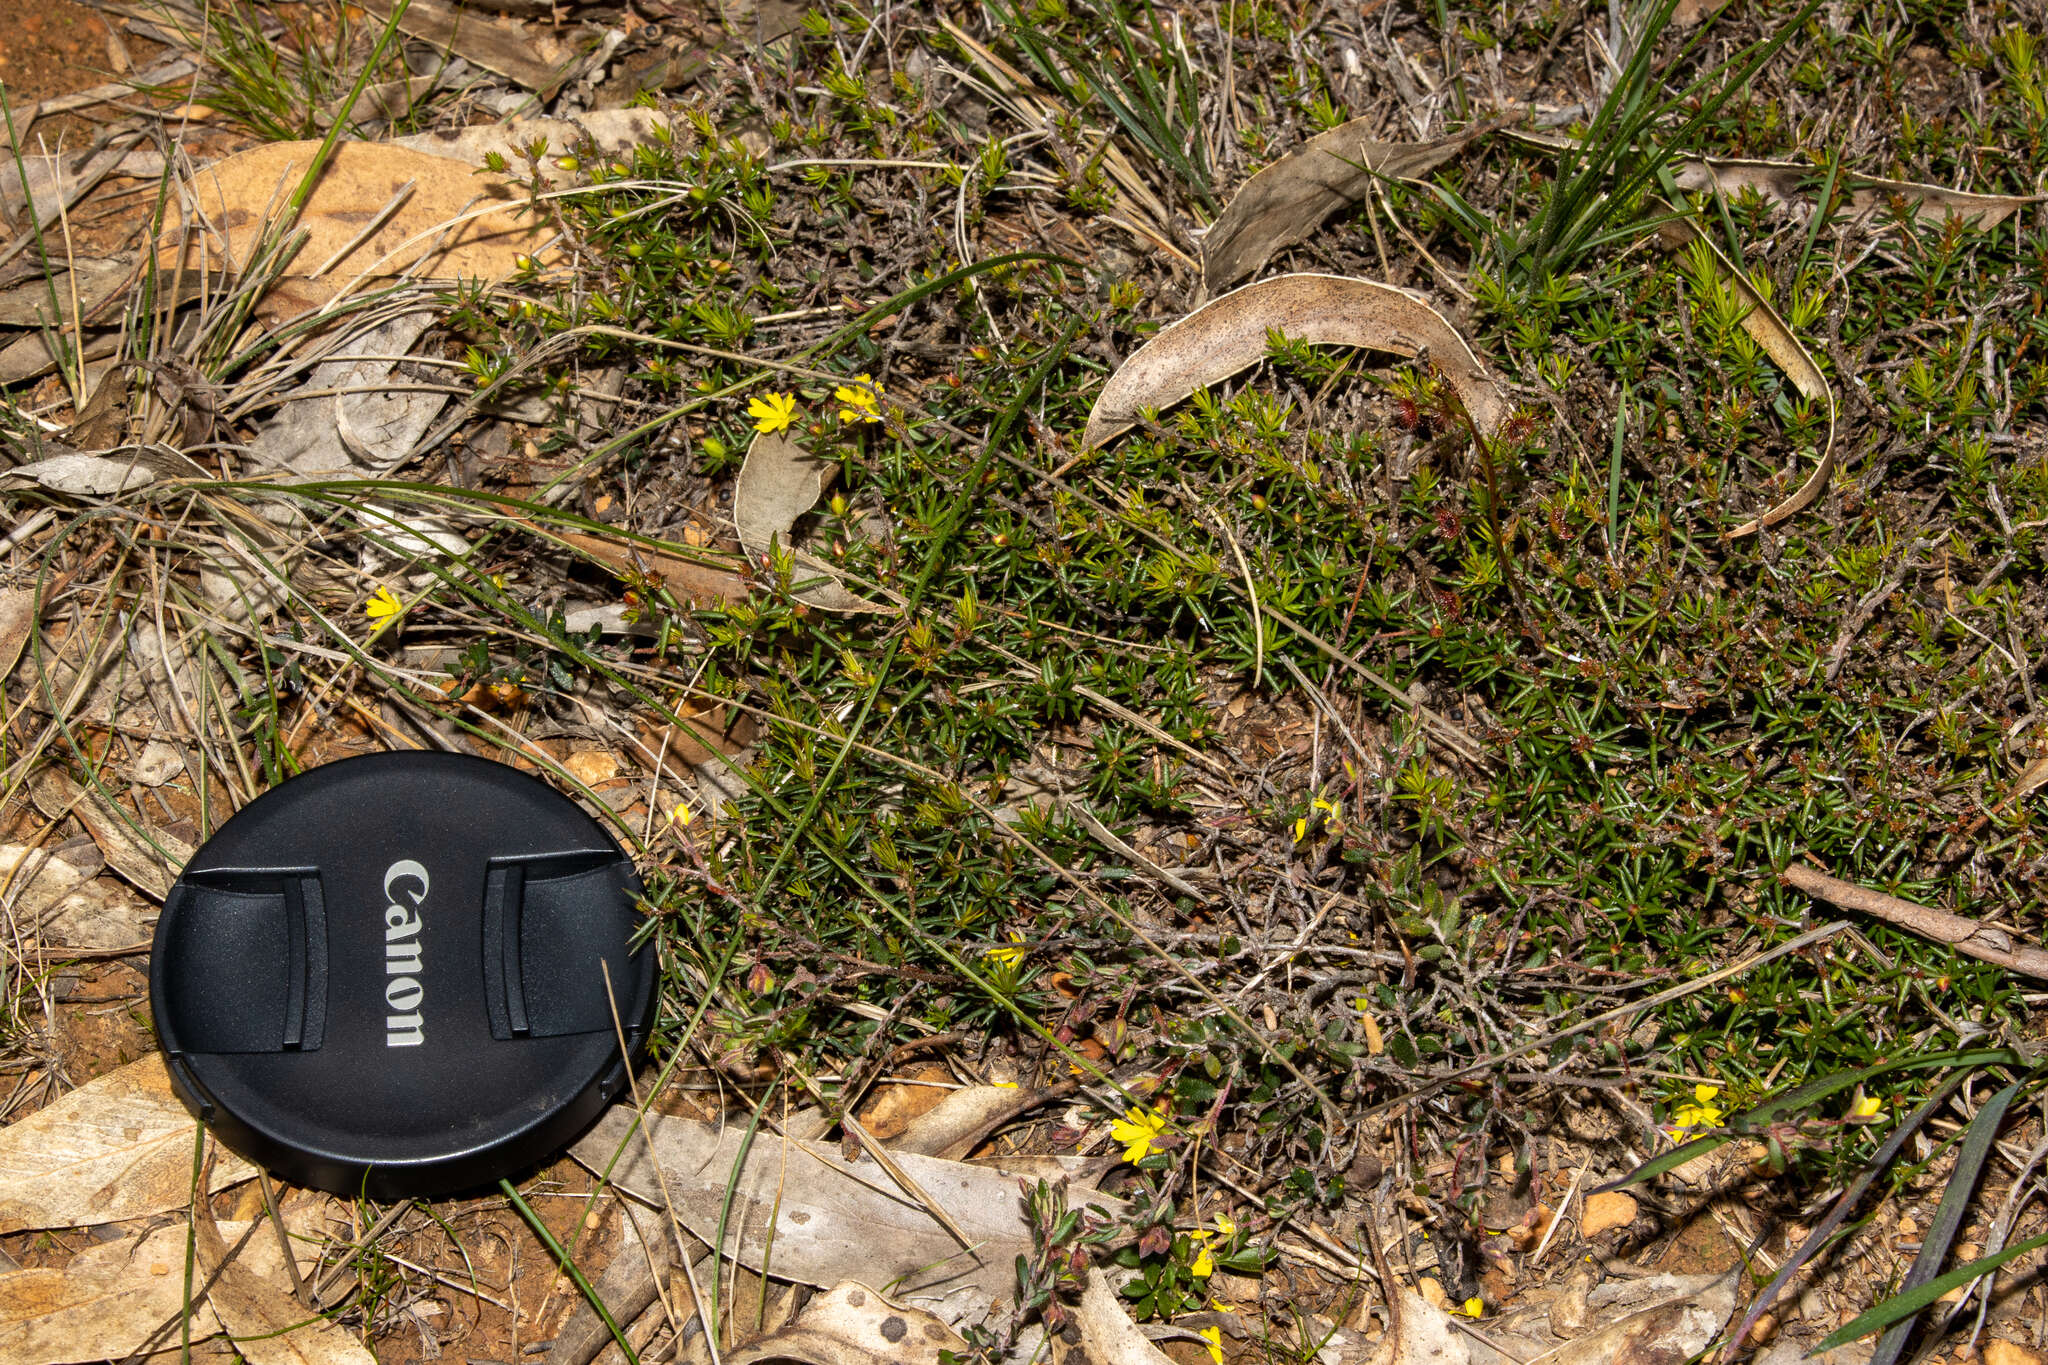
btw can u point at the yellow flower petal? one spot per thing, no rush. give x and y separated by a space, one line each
1009 957
1472 1308
383 605
1204 1266
772 412
1704 1093
1137 1130
861 399
1214 1336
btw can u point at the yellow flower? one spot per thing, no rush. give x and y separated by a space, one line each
1008 957
1472 1308
1869 1107
1300 829
682 814
1224 1226
1214 1336
772 412
383 605
1701 1113
862 400
1138 1129
1205 1264
1004 1085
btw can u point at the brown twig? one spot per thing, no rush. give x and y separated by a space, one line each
1966 935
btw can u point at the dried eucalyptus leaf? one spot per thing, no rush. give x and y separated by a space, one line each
1774 334
1229 335
107 1302
1666 1317
778 483
823 1220
1287 201
1793 182
613 132
98 476
118 1147
855 1325
441 219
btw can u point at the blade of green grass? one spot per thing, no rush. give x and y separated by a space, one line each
1948 1215
1843 1207
570 1269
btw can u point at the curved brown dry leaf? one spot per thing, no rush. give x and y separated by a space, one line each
1107 1334
614 133
20 611
1666 1317
855 1325
430 232
1291 198
812 1216
267 1323
1228 335
688 580
1773 334
778 483
151 862
1792 182
112 1299
1788 182
118 1147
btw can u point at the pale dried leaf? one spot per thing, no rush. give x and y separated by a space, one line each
93 476
855 1325
48 170
1664 1317
614 133
33 878
157 764
778 483
1428 1337
1792 182
119 1146
833 1219
961 1114
100 916
350 410
30 355
494 42
258 1311
1786 1351
689 580
19 612
1774 334
111 1300
1053 1167
1228 335
28 303
150 858
1108 1336
454 223
1287 201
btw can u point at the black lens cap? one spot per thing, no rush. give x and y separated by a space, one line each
387 976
